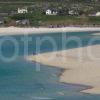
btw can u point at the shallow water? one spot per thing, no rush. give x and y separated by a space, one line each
19 79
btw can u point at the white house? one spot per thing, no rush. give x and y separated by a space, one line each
98 14
94 14
22 10
51 12
72 12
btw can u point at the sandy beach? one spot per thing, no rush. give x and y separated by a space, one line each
18 31
80 68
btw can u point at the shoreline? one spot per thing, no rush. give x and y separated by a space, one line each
42 58
62 70
26 31
85 72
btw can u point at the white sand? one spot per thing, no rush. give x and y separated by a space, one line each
17 31
79 64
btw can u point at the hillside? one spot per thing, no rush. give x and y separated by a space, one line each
37 10
73 1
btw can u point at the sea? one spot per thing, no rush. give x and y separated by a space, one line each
19 78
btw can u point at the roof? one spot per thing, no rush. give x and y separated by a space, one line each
1 18
4 14
52 9
92 12
22 8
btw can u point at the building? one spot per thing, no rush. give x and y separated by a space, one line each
25 22
98 14
22 10
1 20
73 12
94 14
51 12
2 17
22 22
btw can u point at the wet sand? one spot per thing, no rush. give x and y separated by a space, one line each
82 66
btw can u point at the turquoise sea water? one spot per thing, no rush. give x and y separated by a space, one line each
19 79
